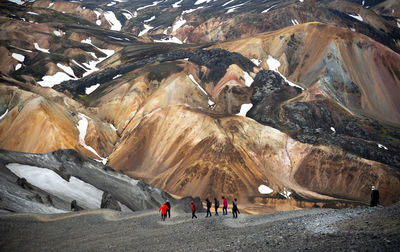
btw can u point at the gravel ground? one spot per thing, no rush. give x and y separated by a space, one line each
361 229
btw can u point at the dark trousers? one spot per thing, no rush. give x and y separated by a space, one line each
194 215
169 213
234 212
163 216
216 210
208 212
224 210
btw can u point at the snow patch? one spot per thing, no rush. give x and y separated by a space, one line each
82 127
382 146
50 4
3 115
120 39
90 89
225 4
302 1
117 76
177 4
37 47
178 24
57 33
51 80
18 66
19 2
150 19
113 127
111 4
265 11
363 2
113 21
197 84
286 193
169 40
244 109
352 29
333 129
74 189
256 62
233 8
263 189
32 13
146 29
295 22
198 2
398 22
127 15
91 65
24 50
358 17
273 65
66 69
147 6
248 80
18 57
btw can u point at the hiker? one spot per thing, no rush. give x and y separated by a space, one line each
193 210
235 209
374 196
163 210
208 207
216 205
225 206
169 208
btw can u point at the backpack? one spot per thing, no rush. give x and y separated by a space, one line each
217 204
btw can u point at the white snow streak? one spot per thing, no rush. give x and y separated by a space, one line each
358 17
247 78
382 146
197 84
18 66
295 22
66 69
263 189
201 2
50 4
57 33
225 4
333 129
178 24
177 4
147 6
3 115
117 76
18 57
32 13
286 193
37 47
85 194
150 19
82 127
273 65
146 29
92 64
90 89
127 15
113 127
111 4
265 11
19 2
244 109
113 21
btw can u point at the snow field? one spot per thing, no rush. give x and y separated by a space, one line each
85 194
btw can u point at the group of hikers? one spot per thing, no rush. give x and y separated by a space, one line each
165 209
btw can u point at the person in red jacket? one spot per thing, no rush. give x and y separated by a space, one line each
163 210
225 206
193 210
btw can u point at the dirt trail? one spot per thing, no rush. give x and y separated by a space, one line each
105 230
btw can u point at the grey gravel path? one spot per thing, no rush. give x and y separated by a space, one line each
366 229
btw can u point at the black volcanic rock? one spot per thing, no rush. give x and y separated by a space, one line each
107 201
269 91
218 60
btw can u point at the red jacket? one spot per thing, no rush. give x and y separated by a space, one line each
193 207
163 209
225 202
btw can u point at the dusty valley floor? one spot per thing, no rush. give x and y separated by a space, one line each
362 229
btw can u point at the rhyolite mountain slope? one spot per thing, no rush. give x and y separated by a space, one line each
252 100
